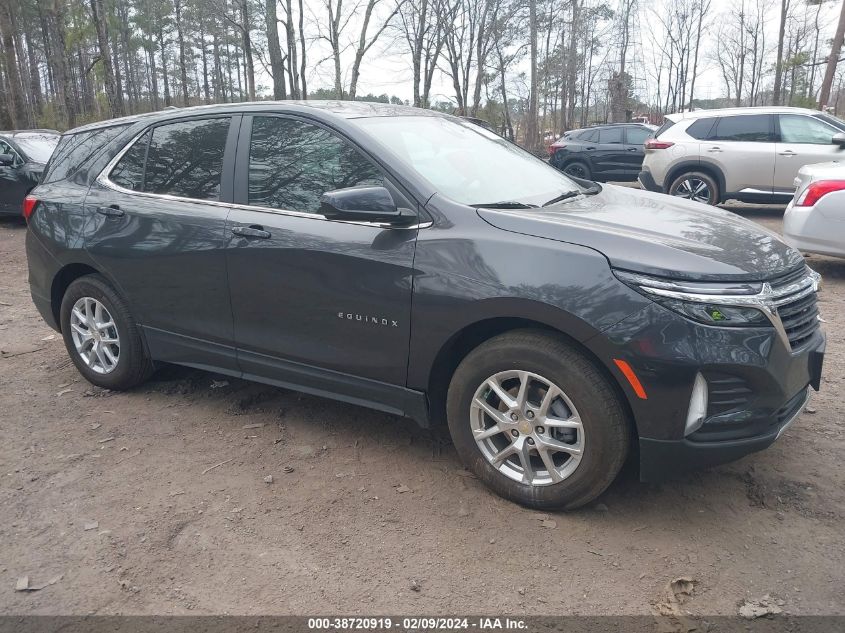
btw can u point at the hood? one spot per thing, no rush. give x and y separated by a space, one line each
657 234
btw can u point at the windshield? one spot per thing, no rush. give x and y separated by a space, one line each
467 163
38 147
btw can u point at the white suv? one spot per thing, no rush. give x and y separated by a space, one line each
748 154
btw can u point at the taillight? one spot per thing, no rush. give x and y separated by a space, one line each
653 143
29 204
554 148
818 189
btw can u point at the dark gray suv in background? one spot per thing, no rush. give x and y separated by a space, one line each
415 263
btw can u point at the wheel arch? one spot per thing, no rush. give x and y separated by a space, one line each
64 278
462 342
697 165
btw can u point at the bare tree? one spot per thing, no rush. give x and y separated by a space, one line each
833 59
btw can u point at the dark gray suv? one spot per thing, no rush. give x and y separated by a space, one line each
415 263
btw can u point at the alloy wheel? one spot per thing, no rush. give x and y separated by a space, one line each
527 427
693 188
94 335
576 170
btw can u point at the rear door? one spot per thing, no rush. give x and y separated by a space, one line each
635 137
319 303
609 157
803 140
157 222
743 148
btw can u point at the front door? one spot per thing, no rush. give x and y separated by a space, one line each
14 182
157 224
635 138
804 140
314 300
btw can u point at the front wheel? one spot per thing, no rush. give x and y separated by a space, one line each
696 186
537 421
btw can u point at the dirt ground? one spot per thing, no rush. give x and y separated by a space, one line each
155 501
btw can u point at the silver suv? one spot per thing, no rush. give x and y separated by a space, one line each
748 154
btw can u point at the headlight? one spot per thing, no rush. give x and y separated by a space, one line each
727 304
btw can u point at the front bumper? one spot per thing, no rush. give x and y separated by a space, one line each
757 386
647 182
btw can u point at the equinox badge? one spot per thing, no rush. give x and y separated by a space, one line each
363 318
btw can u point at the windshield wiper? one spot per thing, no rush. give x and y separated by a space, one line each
566 195
505 204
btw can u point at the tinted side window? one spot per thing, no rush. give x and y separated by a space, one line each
129 171
752 127
76 151
292 164
5 148
590 136
185 159
702 128
795 128
610 135
637 135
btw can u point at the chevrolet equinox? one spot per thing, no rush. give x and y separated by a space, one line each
416 263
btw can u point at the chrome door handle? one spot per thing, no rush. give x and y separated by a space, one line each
788 152
714 149
113 211
251 231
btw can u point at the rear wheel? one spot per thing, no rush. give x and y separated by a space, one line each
537 421
578 169
697 186
100 335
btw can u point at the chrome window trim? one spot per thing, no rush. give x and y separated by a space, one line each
103 179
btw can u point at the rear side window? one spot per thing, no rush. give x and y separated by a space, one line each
637 135
753 128
610 136
589 136
129 171
76 151
702 128
185 159
293 163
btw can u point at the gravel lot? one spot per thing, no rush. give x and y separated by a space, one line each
155 501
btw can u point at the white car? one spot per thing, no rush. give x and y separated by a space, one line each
747 154
814 221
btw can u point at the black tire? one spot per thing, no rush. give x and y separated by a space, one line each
578 169
606 424
687 183
133 363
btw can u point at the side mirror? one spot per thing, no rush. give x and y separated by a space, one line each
6 160
364 204
839 139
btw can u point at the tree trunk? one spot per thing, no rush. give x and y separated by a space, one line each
60 59
304 87
784 9
531 131
832 61
17 111
112 94
164 74
277 68
183 67
247 44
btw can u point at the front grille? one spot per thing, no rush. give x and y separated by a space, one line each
799 315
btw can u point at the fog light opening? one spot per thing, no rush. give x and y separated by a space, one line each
697 405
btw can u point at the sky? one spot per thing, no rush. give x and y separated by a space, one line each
386 68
